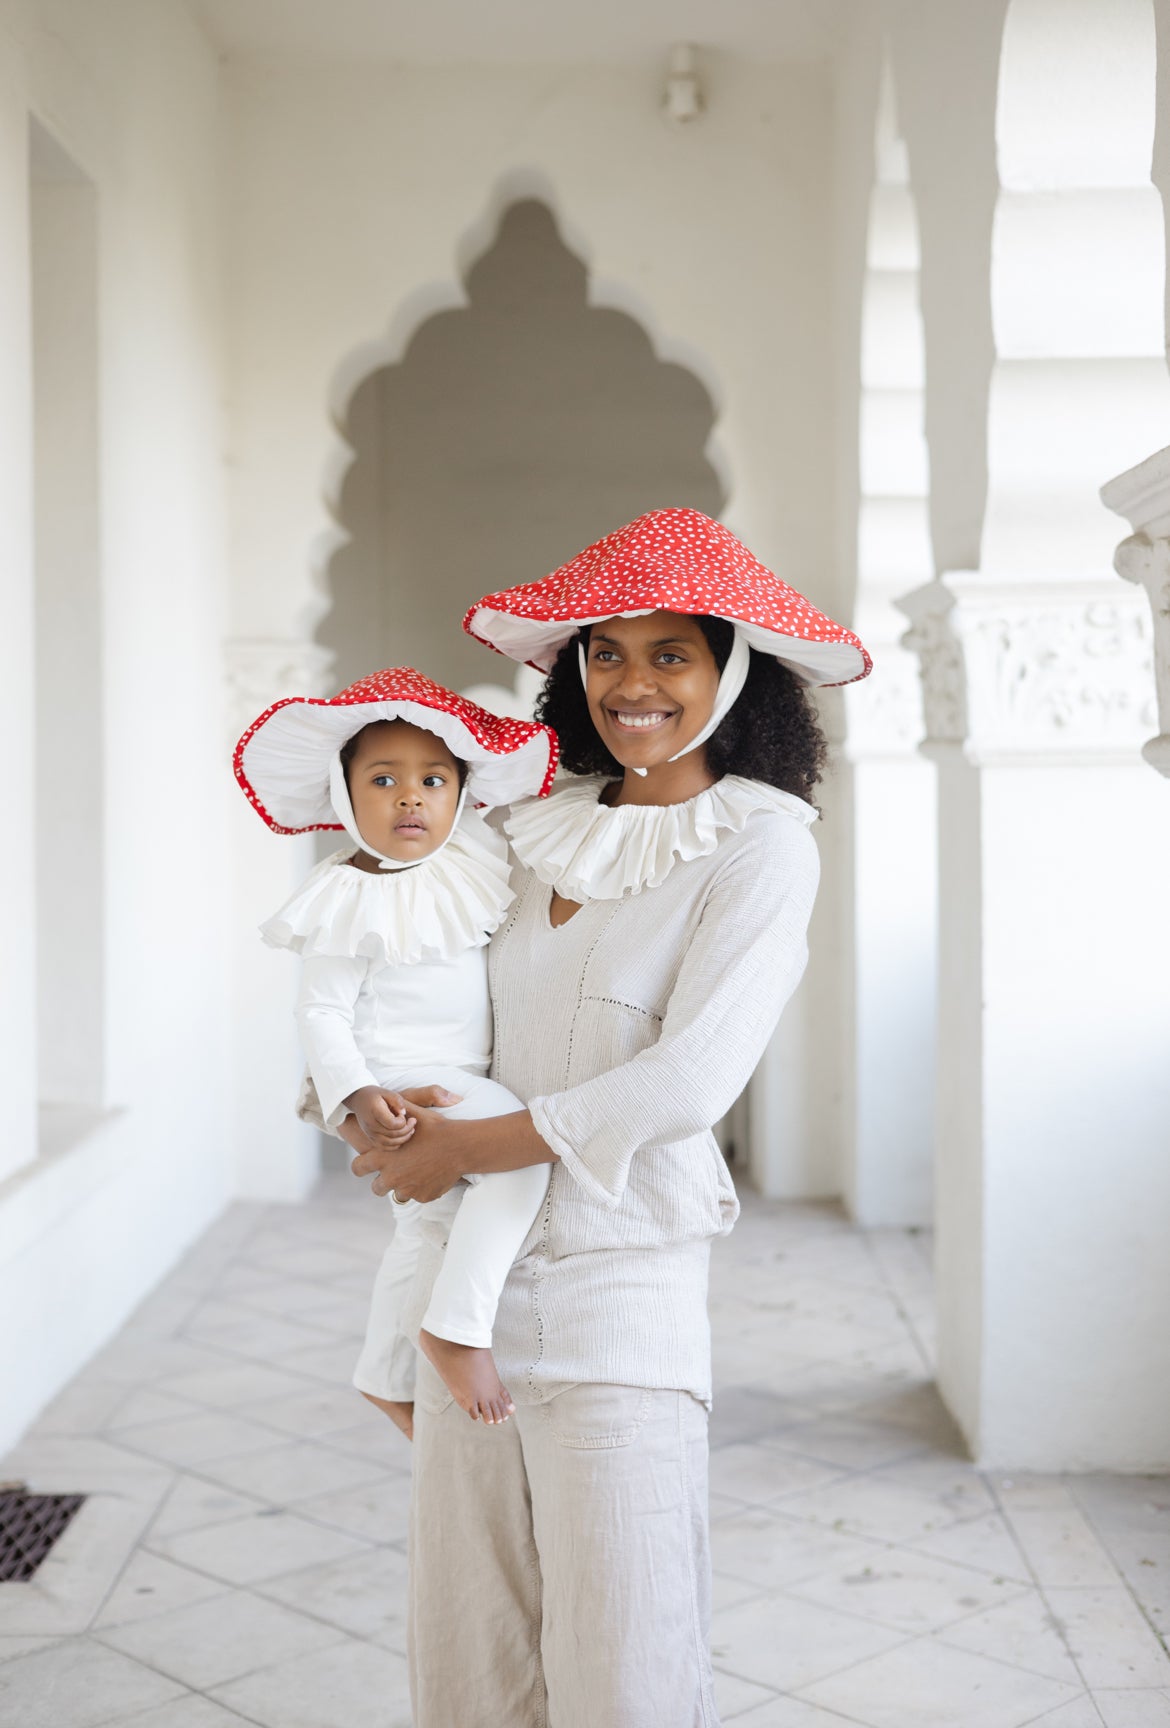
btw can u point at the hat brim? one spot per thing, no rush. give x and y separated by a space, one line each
537 642
282 761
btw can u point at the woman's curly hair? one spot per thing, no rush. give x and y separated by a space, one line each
771 733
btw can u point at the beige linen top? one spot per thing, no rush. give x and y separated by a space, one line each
630 1030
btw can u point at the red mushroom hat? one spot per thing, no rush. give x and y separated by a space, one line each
672 561
283 760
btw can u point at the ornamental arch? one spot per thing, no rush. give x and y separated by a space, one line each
512 431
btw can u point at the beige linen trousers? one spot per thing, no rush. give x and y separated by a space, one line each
562 1580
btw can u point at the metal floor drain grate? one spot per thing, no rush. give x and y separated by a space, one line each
29 1526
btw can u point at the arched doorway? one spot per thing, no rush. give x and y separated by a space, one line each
511 433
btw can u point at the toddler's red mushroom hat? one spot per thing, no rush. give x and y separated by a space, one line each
285 759
671 561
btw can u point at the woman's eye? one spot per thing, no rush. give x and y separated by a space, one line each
605 654
669 659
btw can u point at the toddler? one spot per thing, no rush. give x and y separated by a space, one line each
393 993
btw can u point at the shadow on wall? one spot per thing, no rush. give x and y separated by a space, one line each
512 433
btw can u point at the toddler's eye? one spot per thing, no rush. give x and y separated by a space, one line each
383 780
434 780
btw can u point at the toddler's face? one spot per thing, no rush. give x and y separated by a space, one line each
404 788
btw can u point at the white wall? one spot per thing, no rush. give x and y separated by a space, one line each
100 1211
355 196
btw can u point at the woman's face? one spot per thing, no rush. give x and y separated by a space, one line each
651 685
404 788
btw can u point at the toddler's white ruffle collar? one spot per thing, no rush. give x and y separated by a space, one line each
586 850
433 911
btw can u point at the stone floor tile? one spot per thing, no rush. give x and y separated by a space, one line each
843 1444
194 1502
792 1713
735 1697
1023 1632
365 1597
78 1683
1109 1637
331 1362
743 1413
758 1474
232 1384
189 1712
1134 1709
149 1586
313 1411
784 1643
1060 1545
294 1470
209 1643
84 1406
919 1409
909 1592
726 1592
1082 1712
379 1442
985 1544
23 1645
771 1550
377 1511
876 1506
309 1260
246 1550
259 1337
201 1438
351 1685
149 1404
926 1684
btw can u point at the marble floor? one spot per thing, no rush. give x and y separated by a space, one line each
241 1556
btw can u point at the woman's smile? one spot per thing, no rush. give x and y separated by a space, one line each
640 720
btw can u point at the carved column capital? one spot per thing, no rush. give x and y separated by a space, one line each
259 672
1142 496
1027 669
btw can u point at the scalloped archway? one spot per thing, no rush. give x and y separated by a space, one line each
510 432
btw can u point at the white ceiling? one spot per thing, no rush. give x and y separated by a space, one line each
541 31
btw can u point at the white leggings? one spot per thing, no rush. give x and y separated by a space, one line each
494 1216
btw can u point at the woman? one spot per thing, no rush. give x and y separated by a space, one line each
559 1566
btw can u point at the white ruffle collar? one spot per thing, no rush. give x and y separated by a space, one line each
587 850
433 911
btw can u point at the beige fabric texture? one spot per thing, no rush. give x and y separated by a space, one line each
559 1565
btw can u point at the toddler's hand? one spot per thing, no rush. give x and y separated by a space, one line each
381 1116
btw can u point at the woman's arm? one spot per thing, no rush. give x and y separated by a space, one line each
440 1152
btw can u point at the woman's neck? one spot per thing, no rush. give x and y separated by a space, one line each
667 783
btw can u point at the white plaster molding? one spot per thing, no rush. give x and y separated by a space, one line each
259 673
1142 496
884 712
1032 670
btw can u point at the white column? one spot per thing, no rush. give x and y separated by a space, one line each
1142 496
18 1054
1053 1184
889 1149
275 1156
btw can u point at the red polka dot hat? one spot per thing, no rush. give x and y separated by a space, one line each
283 760
673 561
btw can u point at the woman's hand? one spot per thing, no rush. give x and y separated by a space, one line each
424 1170
382 1116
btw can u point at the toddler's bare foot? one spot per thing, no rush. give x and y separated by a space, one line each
469 1373
402 1415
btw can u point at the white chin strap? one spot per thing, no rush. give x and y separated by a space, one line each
731 681
343 809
